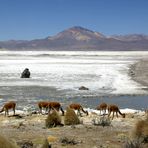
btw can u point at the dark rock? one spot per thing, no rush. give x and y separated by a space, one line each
83 88
25 73
34 112
17 116
67 141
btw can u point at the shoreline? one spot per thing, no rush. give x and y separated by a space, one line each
137 102
139 72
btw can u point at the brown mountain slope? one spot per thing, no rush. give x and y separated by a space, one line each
78 38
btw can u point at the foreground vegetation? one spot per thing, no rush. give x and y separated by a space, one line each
71 130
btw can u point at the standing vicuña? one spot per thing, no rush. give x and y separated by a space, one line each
50 105
42 105
78 107
115 109
102 107
7 106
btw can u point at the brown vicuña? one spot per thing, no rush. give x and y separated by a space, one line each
102 107
115 109
7 106
78 107
42 105
50 105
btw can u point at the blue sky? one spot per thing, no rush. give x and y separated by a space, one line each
31 19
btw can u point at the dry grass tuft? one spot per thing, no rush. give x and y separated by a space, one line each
141 130
140 135
70 117
46 144
53 119
5 143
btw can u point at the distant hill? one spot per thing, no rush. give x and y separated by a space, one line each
79 38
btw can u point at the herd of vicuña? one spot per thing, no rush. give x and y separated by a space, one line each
48 106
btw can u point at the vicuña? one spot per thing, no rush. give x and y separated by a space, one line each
78 107
115 109
50 105
102 107
7 106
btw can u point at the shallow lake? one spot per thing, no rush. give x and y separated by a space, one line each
58 76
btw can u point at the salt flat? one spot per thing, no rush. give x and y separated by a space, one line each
60 74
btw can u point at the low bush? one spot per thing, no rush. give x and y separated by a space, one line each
5 143
141 131
53 119
103 121
140 135
70 117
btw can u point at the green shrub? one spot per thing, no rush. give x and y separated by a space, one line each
70 117
103 121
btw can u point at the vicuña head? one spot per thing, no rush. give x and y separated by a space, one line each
102 107
50 105
7 106
78 107
115 109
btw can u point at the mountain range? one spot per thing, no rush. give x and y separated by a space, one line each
79 38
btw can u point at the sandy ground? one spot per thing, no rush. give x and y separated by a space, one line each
32 129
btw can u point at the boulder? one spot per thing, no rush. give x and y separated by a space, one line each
83 88
25 73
